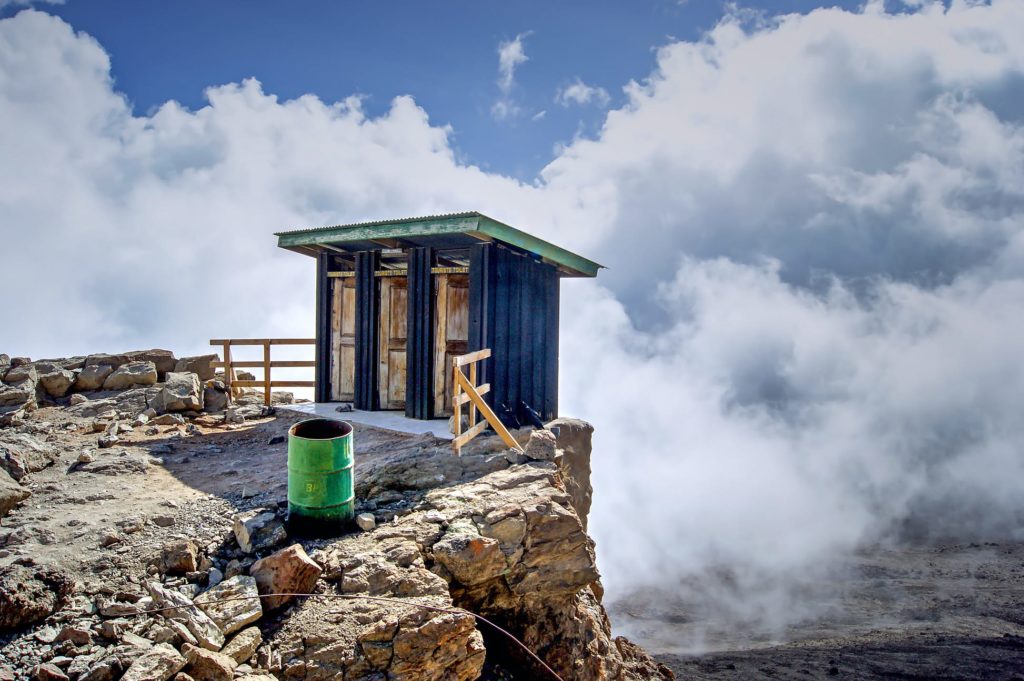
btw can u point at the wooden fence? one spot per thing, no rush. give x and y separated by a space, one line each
229 364
466 390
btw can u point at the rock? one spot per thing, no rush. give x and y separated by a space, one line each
11 493
77 399
168 420
48 672
214 577
79 635
366 521
130 375
542 446
205 630
243 646
259 530
287 571
163 360
207 665
29 595
214 399
17 395
181 392
470 559
201 365
574 439
163 520
114 361
85 456
57 383
21 454
108 440
242 607
179 557
23 372
159 663
140 420
92 376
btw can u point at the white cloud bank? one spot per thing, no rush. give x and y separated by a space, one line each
808 337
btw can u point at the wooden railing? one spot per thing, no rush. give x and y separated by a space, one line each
266 364
466 390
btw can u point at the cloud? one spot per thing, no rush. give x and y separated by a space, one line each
582 94
27 3
814 226
511 53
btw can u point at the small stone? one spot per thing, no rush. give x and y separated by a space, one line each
80 636
108 440
168 420
243 646
180 556
77 399
207 665
542 446
163 520
289 571
140 420
258 531
232 604
366 521
214 577
159 663
48 672
85 456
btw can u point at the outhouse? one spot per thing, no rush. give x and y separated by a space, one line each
397 300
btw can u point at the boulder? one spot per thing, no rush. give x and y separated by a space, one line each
5 364
163 360
232 604
179 557
574 440
288 571
159 663
471 559
11 493
181 392
23 372
21 454
130 375
243 646
215 398
31 594
91 376
57 383
259 530
207 665
182 609
17 395
77 400
201 365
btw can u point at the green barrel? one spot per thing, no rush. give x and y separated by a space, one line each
321 497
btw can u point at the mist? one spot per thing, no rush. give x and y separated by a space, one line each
806 340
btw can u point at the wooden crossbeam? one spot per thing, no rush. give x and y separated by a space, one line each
485 410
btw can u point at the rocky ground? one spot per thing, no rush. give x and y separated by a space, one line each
142 533
942 611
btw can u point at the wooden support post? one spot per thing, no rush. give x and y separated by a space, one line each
472 405
266 373
457 403
227 369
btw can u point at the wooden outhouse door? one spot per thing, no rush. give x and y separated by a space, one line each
451 334
343 339
393 336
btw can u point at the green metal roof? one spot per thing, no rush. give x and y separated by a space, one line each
448 231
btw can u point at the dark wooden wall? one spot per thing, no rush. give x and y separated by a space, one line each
322 349
367 396
513 309
419 358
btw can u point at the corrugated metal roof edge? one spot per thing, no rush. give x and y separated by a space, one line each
581 264
372 223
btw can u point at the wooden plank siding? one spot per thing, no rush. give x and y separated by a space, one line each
420 317
366 396
514 311
322 388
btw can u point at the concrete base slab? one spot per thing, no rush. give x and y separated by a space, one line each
389 420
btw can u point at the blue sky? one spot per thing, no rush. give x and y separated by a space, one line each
444 54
